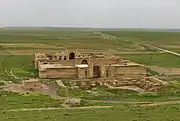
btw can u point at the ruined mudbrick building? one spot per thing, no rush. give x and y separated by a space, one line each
74 64
32 84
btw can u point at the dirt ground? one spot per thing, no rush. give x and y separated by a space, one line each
166 71
47 89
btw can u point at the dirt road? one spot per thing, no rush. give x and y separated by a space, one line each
51 108
140 103
144 104
140 43
161 49
162 103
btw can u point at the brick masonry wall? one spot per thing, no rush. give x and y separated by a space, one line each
130 72
59 73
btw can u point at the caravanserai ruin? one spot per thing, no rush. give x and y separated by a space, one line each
77 65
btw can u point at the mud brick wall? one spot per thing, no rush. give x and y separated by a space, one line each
66 62
59 73
148 84
130 72
32 85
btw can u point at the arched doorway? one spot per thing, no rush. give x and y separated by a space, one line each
71 56
64 57
60 57
84 62
96 72
107 73
86 74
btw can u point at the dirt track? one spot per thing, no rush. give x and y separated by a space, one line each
144 104
141 53
161 49
108 36
158 103
162 103
71 108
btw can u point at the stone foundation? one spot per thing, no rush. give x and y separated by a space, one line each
149 84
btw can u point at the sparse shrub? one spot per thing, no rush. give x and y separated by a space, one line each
1 83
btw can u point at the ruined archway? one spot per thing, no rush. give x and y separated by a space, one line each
71 56
84 62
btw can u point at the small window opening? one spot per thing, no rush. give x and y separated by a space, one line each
60 57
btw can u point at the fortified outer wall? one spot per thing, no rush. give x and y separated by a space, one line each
130 72
65 62
59 73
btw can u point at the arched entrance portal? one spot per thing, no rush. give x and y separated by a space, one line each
96 72
71 56
84 62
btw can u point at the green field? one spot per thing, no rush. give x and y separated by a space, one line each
154 38
63 38
163 60
16 101
16 61
122 112
119 113
13 67
164 37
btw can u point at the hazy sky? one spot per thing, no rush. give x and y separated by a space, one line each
91 13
